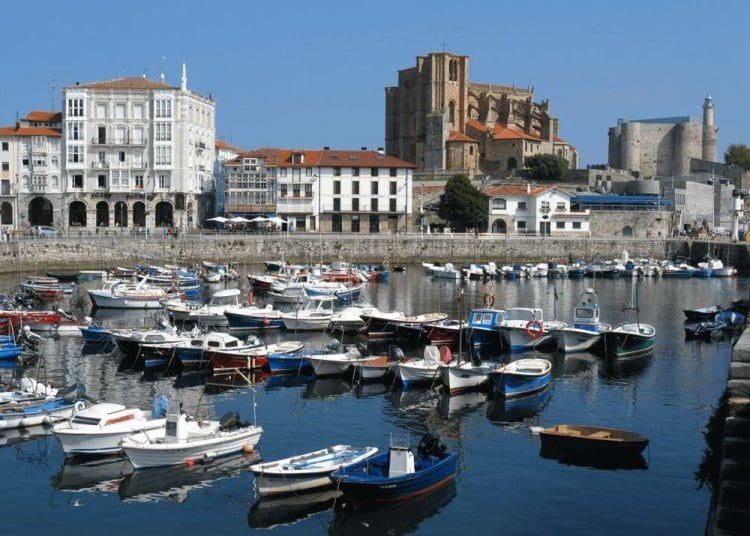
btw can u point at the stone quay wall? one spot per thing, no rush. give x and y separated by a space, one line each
110 251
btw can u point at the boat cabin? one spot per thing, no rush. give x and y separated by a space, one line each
524 313
485 318
586 313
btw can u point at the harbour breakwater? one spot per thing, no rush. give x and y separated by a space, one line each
108 251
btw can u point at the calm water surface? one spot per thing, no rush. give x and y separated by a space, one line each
503 484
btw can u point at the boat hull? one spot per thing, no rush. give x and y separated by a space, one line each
570 340
626 343
163 454
360 485
459 378
75 442
509 385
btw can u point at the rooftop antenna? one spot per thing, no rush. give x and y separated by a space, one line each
52 97
443 45
161 76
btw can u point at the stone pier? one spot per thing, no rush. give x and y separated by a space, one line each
730 510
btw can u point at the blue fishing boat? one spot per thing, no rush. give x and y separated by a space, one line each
483 328
398 474
94 333
9 349
521 377
47 411
279 362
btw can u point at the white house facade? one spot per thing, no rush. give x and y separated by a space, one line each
30 170
137 152
534 210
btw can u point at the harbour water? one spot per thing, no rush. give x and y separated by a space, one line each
504 484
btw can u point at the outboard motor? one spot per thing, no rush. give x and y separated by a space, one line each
334 345
396 353
229 421
430 445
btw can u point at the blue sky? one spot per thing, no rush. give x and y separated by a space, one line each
311 74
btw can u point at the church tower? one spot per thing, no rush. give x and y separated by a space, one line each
709 131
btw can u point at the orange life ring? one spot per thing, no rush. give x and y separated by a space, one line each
534 328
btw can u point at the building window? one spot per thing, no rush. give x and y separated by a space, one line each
471 150
77 181
521 205
163 108
452 112
373 172
164 181
75 131
521 225
308 172
119 111
283 190
355 172
162 156
308 190
374 223
336 204
355 205
75 154
122 156
394 172
295 190
336 187
559 225
5 187
337 172
560 207
336 223
355 224
499 203
138 111
394 188
355 188
138 181
75 107
25 161
392 205
101 181
163 131
374 205
374 187
453 71
6 166
576 225
5 146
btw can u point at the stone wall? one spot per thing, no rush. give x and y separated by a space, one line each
642 223
104 252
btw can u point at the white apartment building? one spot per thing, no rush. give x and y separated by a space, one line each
536 210
30 170
138 152
331 190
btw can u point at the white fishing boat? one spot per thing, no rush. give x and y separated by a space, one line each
524 329
379 366
422 370
185 440
586 332
349 319
464 376
100 428
316 314
212 314
306 471
447 271
116 294
336 363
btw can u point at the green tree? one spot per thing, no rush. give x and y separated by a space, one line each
462 205
738 154
547 167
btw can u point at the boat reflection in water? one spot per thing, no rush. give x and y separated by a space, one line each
398 517
175 482
367 389
567 457
281 381
93 475
219 383
15 436
504 410
270 512
326 388
625 368
460 404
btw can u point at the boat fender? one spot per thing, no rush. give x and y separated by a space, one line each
79 407
534 329
266 321
445 354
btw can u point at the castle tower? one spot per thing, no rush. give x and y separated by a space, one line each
709 131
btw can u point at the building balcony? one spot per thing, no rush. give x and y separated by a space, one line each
100 165
248 208
118 143
38 188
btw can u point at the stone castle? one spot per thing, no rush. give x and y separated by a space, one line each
441 121
664 146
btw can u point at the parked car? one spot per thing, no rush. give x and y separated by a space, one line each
44 231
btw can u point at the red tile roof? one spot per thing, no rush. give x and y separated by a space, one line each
327 158
42 116
514 189
29 131
458 136
221 144
501 131
134 82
